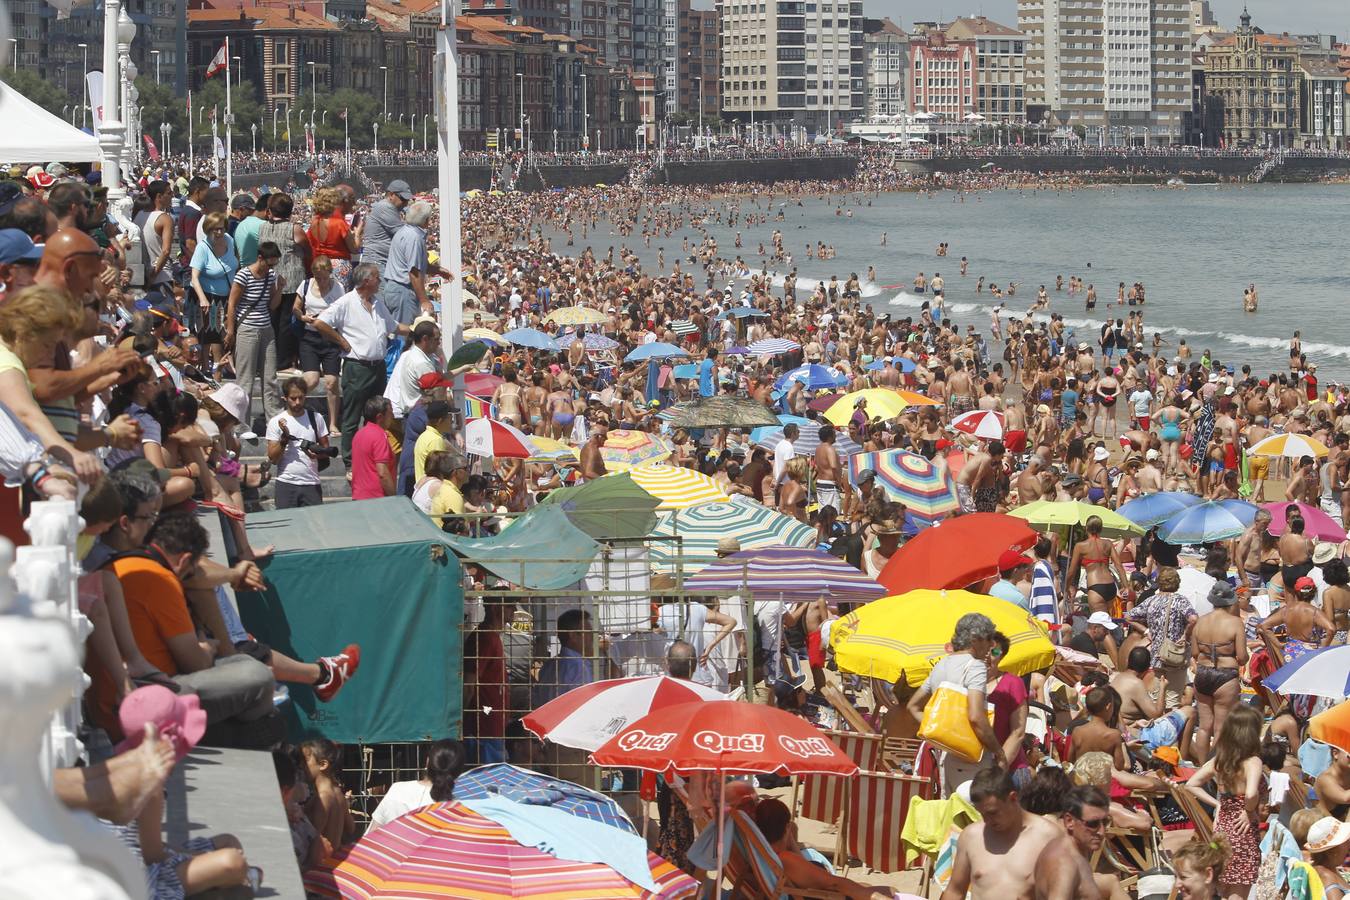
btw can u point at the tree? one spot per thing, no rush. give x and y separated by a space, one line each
244 101
159 105
44 93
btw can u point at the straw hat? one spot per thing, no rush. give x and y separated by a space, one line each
1325 833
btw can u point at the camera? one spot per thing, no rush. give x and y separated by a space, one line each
312 447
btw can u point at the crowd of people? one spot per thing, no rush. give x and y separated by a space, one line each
134 374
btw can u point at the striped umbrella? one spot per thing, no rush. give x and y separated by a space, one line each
791 574
588 716
536 789
986 424
700 527
448 850
1292 446
488 437
677 487
683 327
478 408
773 346
576 315
592 340
928 492
625 449
808 439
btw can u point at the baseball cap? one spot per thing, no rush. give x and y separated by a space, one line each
400 187
243 201
1151 454
1102 619
1304 584
432 380
16 246
1011 559
57 170
10 193
866 475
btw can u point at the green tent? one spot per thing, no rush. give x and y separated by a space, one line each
377 573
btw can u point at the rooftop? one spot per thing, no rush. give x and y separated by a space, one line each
261 18
980 26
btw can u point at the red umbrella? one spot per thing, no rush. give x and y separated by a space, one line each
823 402
958 552
481 384
726 736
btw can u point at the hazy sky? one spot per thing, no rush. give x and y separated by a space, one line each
1304 16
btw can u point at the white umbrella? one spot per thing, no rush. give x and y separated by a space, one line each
588 716
1195 585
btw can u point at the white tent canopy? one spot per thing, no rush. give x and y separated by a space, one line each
31 134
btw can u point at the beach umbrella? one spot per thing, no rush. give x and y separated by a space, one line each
624 449
822 402
1152 509
986 424
594 341
808 439
576 315
783 419
1332 726
611 507
683 327
903 363
882 403
483 334
738 351
907 633
928 491
790 574
677 487
1316 524
1046 514
488 437
1213 520
450 850
534 789
1291 446
654 350
588 716
955 553
813 377
700 527
467 354
913 399
481 384
744 312
720 412
551 450
1321 673
773 346
532 338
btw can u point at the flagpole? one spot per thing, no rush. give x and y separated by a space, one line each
192 162
346 142
447 164
229 126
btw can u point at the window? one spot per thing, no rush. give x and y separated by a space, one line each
281 82
279 53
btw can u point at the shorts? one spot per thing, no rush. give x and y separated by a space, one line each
815 653
1291 574
1258 467
319 355
985 499
827 494
1015 441
1143 421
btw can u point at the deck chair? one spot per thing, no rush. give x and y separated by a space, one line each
877 809
825 798
1195 810
754 870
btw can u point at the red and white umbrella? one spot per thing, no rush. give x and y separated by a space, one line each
588 716
488 437
981 423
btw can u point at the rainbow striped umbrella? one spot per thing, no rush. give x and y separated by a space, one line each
791 574
449 850
928 492
624 449
700 527
677 487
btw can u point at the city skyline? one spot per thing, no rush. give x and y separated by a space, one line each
1307 16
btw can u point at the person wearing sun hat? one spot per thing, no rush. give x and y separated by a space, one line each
1326 848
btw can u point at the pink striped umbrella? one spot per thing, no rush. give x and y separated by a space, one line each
588 716
448 850
1316 524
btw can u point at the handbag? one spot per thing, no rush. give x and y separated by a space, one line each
1172 652
947 724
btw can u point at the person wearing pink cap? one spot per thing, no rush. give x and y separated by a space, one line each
1014 581
1306 629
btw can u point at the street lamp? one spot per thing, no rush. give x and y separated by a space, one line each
155 54
126 33
521 76
313 89
254 128
238 69
323 117
275 110
385 70
168 135
376 127
15 42
288 129
84 84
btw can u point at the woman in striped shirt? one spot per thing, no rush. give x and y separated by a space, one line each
249 336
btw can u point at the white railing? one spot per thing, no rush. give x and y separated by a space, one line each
45 850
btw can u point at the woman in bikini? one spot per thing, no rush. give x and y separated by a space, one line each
1306 629
507 398
1096 557
1336 598
1108 388
1219 647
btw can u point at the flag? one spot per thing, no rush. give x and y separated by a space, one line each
150 148
218 62
94 84
343 115
220 149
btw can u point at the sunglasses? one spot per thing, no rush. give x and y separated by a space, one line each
1094 824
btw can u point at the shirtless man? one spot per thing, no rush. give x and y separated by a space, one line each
1062 871
592 463
1097 733
1295 549
1137 703
889 376
960 389
1303 486
829 472
996 858
991 400
977 485
1029 484
1150 477
1249 549
1258 466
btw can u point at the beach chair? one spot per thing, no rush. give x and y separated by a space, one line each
877 809
825 798
754 870
1195 810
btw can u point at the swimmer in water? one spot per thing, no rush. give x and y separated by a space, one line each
1249 298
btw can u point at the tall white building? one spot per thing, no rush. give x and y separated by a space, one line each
1116 70
793 62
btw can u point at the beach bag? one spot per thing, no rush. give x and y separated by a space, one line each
1172 652
946 724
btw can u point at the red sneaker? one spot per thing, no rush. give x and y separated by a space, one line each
339 668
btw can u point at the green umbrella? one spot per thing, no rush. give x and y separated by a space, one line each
470 353
1046 514
610 507
720 412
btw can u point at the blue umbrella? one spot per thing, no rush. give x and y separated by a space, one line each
758 434
532 338
1152 509
807 441
813 376
1213 520
744 312
533 789
654 350
1321 673
773 346
903 363
593 340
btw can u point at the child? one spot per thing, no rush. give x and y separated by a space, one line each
327 808
310 847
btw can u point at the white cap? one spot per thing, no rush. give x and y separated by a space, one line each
1100 454
1151 454
1102 619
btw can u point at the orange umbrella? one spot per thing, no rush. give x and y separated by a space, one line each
1332 727
958 552
913 399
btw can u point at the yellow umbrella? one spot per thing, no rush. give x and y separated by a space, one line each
677 487
577 315
624 449
882 403
551 450
908 633
1290 445
1047 514
496 194
483 334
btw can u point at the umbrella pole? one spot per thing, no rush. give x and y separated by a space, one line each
721 833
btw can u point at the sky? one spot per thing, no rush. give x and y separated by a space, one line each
1303 16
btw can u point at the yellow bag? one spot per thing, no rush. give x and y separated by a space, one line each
946 722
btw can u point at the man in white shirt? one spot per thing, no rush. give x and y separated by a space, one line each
362 328
404 388
783 452
297 480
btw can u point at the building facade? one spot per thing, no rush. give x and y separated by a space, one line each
1120 69
1256 78
1322 114
887 72
790 62
699 67
943 76
1000 60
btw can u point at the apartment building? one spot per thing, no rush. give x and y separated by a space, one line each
942 75
1120 69
887 71
1000 61
1256 77
698 62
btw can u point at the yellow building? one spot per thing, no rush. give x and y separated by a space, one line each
1257 80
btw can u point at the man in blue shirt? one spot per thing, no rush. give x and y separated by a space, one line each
1069 401
707 374
571 668
1013 567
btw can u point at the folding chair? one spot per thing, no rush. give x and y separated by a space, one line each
753 868
824 798
1195 810
877 810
